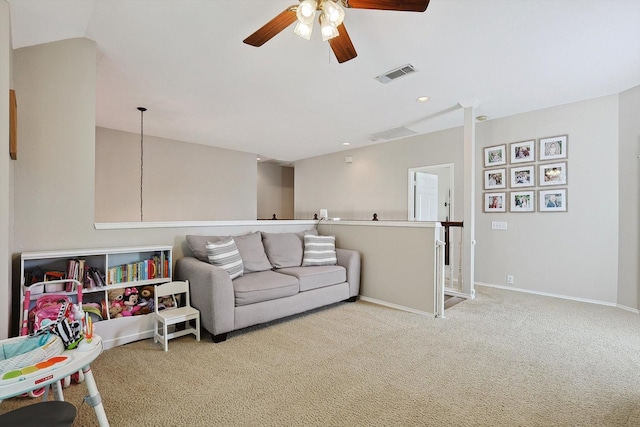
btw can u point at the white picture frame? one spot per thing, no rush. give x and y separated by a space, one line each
522 176
495 155
553 174
522 201
495 202
495 178
522 152
553 148
552 200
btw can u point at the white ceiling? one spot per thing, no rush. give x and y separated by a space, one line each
185 61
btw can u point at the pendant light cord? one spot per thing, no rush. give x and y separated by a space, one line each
142 110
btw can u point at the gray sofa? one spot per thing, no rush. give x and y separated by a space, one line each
279 278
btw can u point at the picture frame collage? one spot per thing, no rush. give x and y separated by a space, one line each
516 166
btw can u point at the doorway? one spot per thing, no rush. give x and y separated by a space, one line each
431 193
431 198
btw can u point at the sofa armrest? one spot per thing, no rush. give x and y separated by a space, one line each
211 293
350 260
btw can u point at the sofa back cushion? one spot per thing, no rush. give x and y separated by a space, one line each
283 249
252 252
198 245
249 245
224 254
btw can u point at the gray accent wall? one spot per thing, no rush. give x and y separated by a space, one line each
181 181
275 191
6 170
376 180
570 253
629 193
53 178
54 186
589 253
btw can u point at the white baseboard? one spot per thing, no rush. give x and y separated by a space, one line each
547 294
396 306
631 309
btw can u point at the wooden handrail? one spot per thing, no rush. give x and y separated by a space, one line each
447 225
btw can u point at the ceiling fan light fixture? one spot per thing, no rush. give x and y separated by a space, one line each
307 11
328 30
333 12
303 30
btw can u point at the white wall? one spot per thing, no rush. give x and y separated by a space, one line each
573 253
629 190
182 181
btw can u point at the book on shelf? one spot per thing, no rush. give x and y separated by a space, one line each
156 267
87 278
53 275
71 273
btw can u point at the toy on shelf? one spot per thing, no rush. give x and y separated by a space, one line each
131 299
116 302
146 297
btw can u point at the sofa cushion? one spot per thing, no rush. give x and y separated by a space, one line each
283 249
225 254
317 277
252 252
264 286
198 245
319 250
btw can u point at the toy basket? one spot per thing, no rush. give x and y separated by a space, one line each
16 353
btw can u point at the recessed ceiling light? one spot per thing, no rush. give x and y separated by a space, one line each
259 158
422 99
481 118
346 144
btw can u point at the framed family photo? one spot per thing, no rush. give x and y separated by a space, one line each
553 148
522 201
523 176
495 178
522 152
553 200
553 174
495 156
495 202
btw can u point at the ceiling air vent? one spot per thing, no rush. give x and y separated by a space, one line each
396 73
394 133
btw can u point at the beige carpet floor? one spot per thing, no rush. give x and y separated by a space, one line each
502 359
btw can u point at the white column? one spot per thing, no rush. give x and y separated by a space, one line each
469 229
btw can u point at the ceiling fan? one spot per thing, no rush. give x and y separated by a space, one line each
331 21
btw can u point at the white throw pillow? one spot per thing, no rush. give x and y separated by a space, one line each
225 254
319 250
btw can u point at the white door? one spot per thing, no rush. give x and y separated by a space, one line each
426 197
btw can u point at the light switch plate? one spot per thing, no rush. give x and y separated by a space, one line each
499 225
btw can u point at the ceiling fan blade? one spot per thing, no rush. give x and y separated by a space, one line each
273 27
401 5
342 46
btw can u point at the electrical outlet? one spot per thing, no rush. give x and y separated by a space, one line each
509 279
499 225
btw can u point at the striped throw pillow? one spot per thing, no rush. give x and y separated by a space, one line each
319 250
225 254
